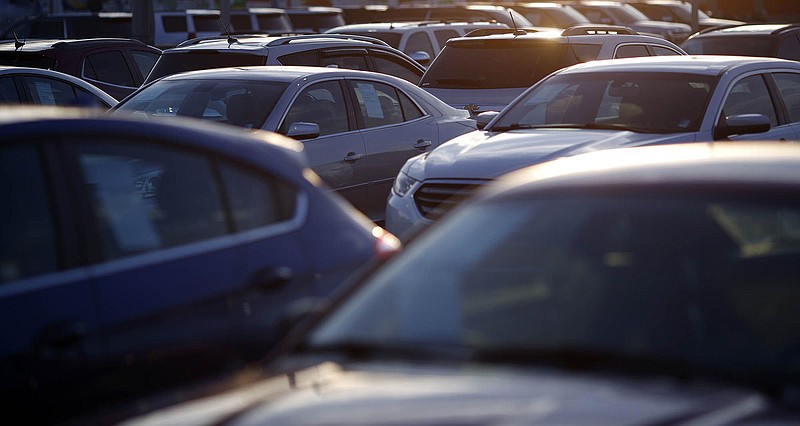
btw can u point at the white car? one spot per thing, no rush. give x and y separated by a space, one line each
24 85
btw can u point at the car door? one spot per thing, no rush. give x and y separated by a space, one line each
750 95
337 154
394 128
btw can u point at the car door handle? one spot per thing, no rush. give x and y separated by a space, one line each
422 145
271 278
352 157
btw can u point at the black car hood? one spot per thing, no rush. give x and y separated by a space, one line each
405 394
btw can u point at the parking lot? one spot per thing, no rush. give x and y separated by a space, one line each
573 212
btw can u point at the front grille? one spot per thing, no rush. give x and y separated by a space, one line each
434 200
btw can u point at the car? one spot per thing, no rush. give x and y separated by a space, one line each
601 105
620 13
315 19
678 11
640 286
145 255
260 20
71 25
115 65
422 41
465 73
357 127
775 40
434 12
172 27
554 15
26 85
323 50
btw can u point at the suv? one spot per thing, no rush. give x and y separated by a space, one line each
342 51
173 27
776 40
260 20
678 11
72 25
421 40
616 13
453 12
555 15
117 66
465 73
315 19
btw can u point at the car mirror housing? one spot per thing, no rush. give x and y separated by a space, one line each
423 58
302 130
742 124
484 118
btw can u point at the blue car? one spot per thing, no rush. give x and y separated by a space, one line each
137 255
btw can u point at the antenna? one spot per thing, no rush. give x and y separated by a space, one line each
231 39
17 43
517 31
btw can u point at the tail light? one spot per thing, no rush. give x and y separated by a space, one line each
386 244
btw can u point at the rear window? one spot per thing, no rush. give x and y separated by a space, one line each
173 63
473 65
744 46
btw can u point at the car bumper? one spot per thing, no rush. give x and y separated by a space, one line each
402 216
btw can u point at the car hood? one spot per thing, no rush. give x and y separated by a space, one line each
487 155
481 99
420 394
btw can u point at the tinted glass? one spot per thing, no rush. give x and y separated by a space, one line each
442 36
144 61
108 67
410 109
727 45
790 48
174 24
646 102
8 91
316 21
27 240
662 51
310 59
353 61
789 86
255 199
207 23
397 67
750 96
322 104
169 64
631 51
419 42
46 91
378 104
150 197
473 65
274 22
241 22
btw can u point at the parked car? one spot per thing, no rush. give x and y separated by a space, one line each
601 105
432 12
173 27
554 15
775 40
678 11
25 85
357 127
465 73
117 66
139 256
71 25
422 41
329 50
260 20
618 13
635 286
315 19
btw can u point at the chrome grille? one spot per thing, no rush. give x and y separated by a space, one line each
433 200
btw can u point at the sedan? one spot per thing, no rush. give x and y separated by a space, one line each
643 286
23 85
357 127
136 256
601 105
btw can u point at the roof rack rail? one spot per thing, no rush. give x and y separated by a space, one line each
598 29
480 32
198 40
287 40
719 27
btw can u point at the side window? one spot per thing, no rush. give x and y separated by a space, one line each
443 35
144 61
419 42
789 86
750 96
585 52
378 104
256 200
300 59
631 51
410 109
397 67
174 24
353 61
790 48
27 240
662 51
108 67
8 91
321 103
147 197
46 91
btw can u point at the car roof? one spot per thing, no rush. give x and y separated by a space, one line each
750 29
699 64
582 34
278 73
253 42
38 45
685 165
403 25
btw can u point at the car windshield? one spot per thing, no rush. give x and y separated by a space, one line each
173 63
708 283
743 46
473 64
240 103
642 102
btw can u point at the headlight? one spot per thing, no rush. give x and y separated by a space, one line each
402 183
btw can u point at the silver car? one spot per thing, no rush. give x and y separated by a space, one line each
601 105
357 127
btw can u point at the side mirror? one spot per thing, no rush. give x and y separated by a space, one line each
423 58
742 124
302 130
484 118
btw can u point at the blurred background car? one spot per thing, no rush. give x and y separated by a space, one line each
139 256
775 40
465 74
555 15
315 19
620 13
117 66
25 85
329 50
172 27
652 285
357 127
678 11
260 20
600 105
70 25
434 12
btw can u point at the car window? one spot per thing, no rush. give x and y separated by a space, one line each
443 35
47 91
147 197
309 59
789 86
353 61
322 104
241 22
750 96
392 65
419 42
174 24
8 91
378 104
790 48
28 240
108 67
631 51
410 109
585 52
255 199
744 46
273 22
662 51
144 61
207 23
